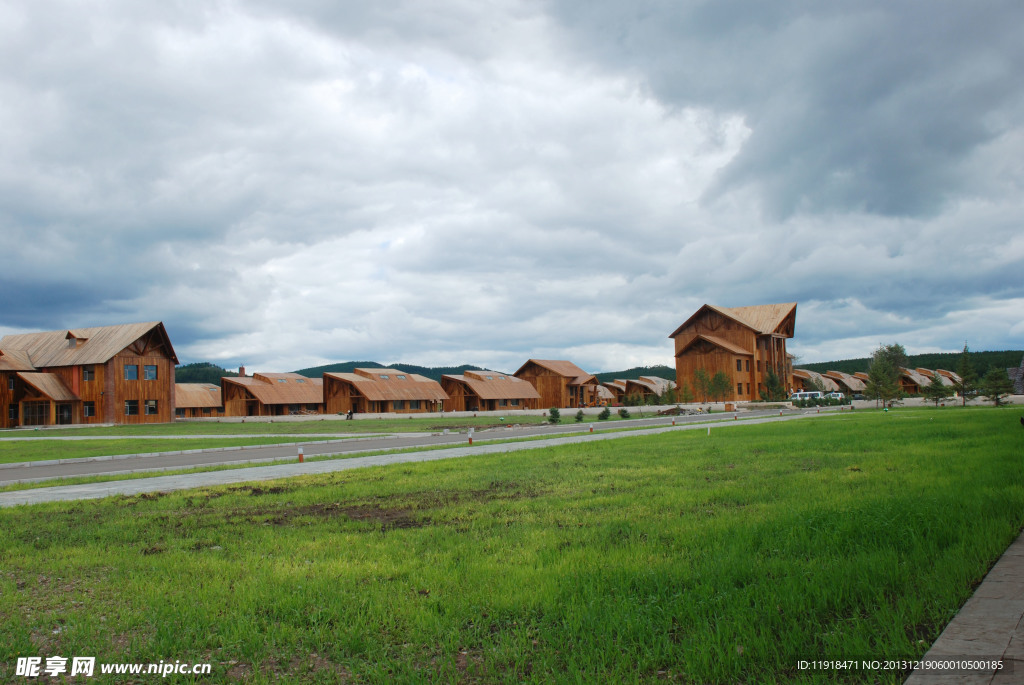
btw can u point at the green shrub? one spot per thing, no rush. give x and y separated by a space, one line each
623 413
604 415
554 416
579 416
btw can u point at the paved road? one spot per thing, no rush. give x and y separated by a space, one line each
92 466
256 473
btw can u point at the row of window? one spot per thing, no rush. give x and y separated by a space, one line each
131 408
131 372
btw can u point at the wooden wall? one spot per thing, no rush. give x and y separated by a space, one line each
7 397
552 388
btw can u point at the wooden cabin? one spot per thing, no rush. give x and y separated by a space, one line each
616 390
803 379
847 383
744 342
381 391
108 374
271 394
912 380
561 384
197 400
646 387
488 391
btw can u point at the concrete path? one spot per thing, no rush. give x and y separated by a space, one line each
989 627
257 473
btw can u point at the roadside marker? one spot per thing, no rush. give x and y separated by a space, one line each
301 457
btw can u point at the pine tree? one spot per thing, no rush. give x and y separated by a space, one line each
936 391
884 373
968 382
995 385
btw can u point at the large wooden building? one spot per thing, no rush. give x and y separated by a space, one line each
744 342
271 394
488 391
381 391
561 384
107 374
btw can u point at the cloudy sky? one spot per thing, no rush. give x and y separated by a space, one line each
290 183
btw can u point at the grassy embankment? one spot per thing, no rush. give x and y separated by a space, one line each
718 558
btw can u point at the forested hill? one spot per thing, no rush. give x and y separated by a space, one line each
201 372
661 371
434 372
938 360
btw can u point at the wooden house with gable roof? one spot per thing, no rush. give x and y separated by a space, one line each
488 391
271 394
197 400
616 390
107 374
744 342
645 387
561 384
805 379
381 391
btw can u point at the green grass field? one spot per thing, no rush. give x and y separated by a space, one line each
681 557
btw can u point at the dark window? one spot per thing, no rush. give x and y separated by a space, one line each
10 382
207 410
503 403
179 412
515 403
398 404
131 372
414 404
88 409
739 364
131 407
739 388
400 377
89 373
151 408
12 412
149 372
746 363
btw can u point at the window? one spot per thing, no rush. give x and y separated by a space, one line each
759 366
401 378
515 403
746 363
503 403
151 408
739 388
398 404
10 382
131 407
739 364
282 380
88 409
490 378
131 372
12 412
207 410
179 412
748 388
88 372
299 380
149 372
414 404
383 377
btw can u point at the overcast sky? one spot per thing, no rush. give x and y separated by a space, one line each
291 183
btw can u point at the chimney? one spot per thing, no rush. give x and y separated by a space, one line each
241 370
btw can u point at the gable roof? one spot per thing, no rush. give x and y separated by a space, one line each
50 385
15 360
565 369
651 384
717 342
764 319
491 385
94 345
853 383
281 388
398 385
196 395
826 382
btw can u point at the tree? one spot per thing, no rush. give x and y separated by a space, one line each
554 416
936 391
579 416
884 373
721 386
995 385
605 413
968 376
702 383
684 394
773 390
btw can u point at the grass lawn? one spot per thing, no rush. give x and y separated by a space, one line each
682 557
40 449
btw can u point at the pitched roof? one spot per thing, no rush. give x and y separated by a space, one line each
491 385
196 395
853 383
93 345
826 382
15 360
918 378
50 385
764 318
281 388
717 342
383 385
563 368
651 384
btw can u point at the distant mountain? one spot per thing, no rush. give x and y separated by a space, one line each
434 373
200 372
937 360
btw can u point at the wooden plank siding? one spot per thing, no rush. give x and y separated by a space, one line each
743 342
381 391
487 391
560 384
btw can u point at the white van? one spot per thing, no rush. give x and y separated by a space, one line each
836 396
806 395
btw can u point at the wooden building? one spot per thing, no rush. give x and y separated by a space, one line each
381 391
744 342
197 400
107 374
561 384
271 394
804 379
488 391
616 390
646 387
847 383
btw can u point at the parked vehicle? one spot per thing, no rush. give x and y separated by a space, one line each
806 395
836 395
